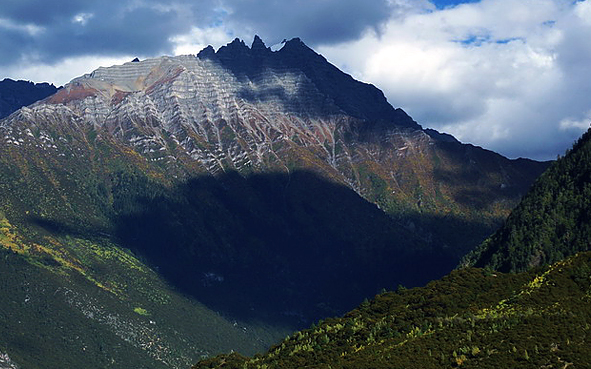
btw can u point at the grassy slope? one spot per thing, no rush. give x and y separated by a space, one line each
92 303
89 303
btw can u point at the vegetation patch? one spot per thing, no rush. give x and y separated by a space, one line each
470 318
551 222
141 311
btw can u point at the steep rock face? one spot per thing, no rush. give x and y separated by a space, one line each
209 114
227 111
354 98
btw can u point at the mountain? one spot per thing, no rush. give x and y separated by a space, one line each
552 221
15 94
252 110
471 318
242 191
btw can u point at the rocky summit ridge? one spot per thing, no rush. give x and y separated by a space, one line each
226 109
251 109
15 94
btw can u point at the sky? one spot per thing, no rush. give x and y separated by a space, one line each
513 76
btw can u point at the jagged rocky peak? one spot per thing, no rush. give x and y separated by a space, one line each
258 45
292 80
355 98
208 52
295 44
238 49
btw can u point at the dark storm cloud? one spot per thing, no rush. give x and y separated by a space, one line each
42 31
51 31
141 30
40 12
316 22
11 40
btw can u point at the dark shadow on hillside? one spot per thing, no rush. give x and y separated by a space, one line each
273 247
451 235
287 249
473 178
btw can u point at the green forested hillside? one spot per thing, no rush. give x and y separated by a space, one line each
552 221
471 318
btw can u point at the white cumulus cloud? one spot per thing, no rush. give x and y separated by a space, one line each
63 71
513 76
503 74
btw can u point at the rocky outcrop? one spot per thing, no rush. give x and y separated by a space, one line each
6 363
16 94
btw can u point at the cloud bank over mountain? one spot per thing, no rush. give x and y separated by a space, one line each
504 74
507 75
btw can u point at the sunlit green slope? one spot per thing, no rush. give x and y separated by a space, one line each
470 319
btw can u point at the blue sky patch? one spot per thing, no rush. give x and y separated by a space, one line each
440 4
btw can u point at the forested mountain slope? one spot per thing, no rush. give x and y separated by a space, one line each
552 221
471 318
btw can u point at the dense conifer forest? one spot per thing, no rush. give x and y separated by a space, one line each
551 222
472 318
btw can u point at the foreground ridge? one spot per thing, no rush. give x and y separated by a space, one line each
471 318
551 222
